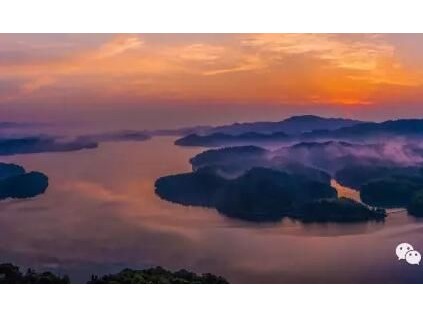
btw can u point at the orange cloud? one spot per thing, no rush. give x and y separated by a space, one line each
245 68
249 63
201 52
357 55
118 46
37 84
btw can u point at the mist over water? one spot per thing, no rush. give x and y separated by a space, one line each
100 214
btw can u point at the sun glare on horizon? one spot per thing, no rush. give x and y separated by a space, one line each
325 70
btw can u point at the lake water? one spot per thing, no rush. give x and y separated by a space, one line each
100 215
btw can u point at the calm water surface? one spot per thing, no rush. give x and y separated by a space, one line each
100 214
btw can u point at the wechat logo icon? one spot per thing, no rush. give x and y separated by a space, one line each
407 252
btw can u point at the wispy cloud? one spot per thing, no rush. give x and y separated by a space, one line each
118 46
354 54
248 64
201 52
243 68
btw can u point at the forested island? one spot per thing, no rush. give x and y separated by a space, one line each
16 183
386 171
264 195
386 186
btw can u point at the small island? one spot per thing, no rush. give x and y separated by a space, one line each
42 144
16 183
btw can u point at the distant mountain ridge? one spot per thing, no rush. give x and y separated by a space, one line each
216 139
350 131
399 127
262 132
291 126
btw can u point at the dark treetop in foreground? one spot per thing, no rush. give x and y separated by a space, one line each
11 274
157 275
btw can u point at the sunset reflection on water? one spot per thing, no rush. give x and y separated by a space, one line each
100 214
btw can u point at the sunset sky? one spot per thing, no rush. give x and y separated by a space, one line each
213 77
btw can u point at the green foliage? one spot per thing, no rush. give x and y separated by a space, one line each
11 274
157 275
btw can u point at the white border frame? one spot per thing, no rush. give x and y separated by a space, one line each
212 16
245 16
